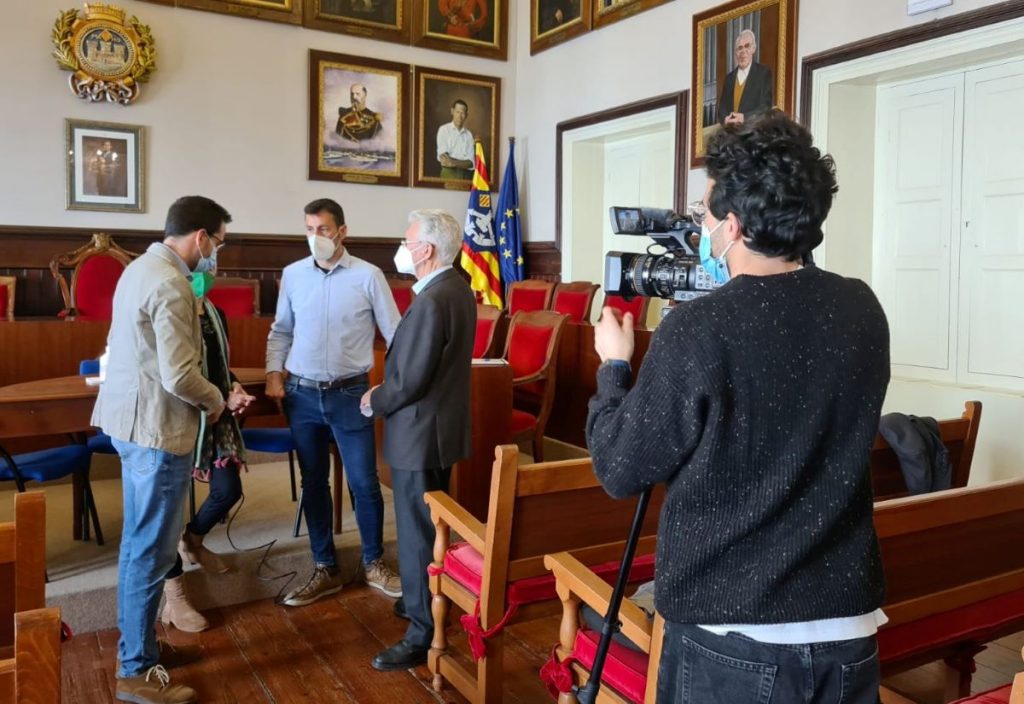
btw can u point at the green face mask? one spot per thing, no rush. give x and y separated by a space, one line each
202 283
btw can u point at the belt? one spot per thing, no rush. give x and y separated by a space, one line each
357 380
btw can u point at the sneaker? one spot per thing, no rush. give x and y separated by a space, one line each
153 687
322 583
380 576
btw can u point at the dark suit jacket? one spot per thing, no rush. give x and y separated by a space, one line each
425 395
757 94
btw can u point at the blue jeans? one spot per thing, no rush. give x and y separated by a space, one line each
155 484
699 667
315 416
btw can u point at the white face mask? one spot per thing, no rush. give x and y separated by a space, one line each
322 248
404 262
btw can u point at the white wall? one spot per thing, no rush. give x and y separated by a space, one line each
225 114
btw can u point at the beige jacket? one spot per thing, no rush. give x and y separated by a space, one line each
154 390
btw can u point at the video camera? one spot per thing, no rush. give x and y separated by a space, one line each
675 274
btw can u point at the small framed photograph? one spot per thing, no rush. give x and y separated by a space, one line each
454 111
289 11
388 20
555 21
105 166
477 27
608 11
744 63
358 123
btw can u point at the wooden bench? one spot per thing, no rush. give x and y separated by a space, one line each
497 574
954 572
958 434
29 633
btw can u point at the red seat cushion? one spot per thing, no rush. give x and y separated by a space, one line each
483 336
621 304
235 301
522 421
625 669
3 300
971 623
572 303
94 287
526 299
528 349
999 695
465 565
403 298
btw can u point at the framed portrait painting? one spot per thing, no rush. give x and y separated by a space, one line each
608 11
289 11
358 122
744 63
105 166
477 27
378 19
555 21
453 112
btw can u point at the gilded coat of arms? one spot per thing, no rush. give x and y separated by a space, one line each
108 57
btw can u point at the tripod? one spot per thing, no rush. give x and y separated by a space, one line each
588 693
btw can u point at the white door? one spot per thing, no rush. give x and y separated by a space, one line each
992 252
917 195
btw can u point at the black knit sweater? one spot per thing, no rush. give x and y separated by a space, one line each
757 405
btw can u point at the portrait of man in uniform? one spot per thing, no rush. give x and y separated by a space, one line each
357 122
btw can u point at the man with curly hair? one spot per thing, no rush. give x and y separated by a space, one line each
757 405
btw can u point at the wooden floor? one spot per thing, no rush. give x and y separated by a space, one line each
261 653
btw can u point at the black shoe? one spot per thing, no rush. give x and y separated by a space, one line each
400 656
400 609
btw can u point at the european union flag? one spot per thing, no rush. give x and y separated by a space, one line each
508 232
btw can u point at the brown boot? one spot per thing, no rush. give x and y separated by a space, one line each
154 687
178 611
190 547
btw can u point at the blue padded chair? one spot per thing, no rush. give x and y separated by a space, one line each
48 465
100 442
279 441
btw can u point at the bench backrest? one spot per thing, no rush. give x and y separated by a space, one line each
958 434
22 561
951 548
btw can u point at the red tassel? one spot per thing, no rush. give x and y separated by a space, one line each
435 571
66 633
557 675
477 636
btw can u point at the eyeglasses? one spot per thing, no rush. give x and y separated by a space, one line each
697 212
218 243
410 245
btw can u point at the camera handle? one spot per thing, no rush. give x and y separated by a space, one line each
588 694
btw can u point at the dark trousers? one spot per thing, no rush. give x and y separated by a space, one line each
225 490
699 667
416 545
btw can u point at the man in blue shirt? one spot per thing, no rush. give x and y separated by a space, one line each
319 352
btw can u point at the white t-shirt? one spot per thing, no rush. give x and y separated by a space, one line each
457 143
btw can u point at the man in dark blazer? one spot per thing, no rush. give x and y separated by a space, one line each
424 400
753 94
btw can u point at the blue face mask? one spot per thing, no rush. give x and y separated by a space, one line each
716 266
206 264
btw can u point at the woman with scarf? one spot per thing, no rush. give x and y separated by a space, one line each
219 460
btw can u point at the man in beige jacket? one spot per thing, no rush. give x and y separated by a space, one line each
150 404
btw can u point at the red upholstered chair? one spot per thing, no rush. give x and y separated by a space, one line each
1007 694
532 350
574 299
486 323
95 269
237 297
529 295
401 290
638 307
8 285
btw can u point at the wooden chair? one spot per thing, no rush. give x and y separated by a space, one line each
958 434
95 269
237 297
638 307
497 575
531 348
29 632
574 299
401 290
954 573
629 676
1007 694
8 289
486 323
529 295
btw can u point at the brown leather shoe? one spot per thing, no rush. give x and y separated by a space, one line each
154 687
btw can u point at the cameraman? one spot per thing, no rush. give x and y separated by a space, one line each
757 406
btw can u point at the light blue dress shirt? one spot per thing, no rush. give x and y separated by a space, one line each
325 320
422 283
